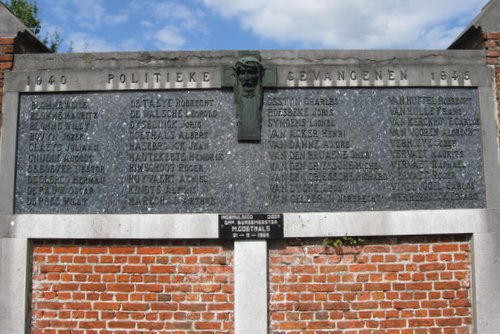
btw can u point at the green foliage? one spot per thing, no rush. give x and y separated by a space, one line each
53 41
338 243
342 241
27 12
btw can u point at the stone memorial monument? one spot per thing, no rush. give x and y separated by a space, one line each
326 138
250 147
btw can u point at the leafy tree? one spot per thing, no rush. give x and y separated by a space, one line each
27 12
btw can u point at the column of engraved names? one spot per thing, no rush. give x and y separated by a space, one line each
312 155
169 152
428 156
62 168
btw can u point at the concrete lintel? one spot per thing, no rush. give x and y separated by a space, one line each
388 223
175 226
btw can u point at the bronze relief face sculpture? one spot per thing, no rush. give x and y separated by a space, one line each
248 97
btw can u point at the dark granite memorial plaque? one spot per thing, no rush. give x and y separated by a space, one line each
320 150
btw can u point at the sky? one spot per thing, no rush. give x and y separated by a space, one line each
164 25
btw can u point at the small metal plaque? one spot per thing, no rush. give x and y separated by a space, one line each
251 226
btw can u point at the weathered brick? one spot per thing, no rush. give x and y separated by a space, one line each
106 306
92 324
452 247
426 286
151 325
491 35
122 250
7 40
7 59
432 267
450 285
493 53
292 325
66 250
135 269
52 268
121 324
149 250
391 267
6 48
79 269
377 286
134 307
93 250
412 304
92 287
107 269
405 248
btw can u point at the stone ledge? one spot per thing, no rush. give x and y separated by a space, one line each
204 226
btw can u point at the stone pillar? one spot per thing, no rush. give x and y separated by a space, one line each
6 62
491 42
250 287
13 284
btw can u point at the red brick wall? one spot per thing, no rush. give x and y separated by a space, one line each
6 63
492 46
389 285
132 287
